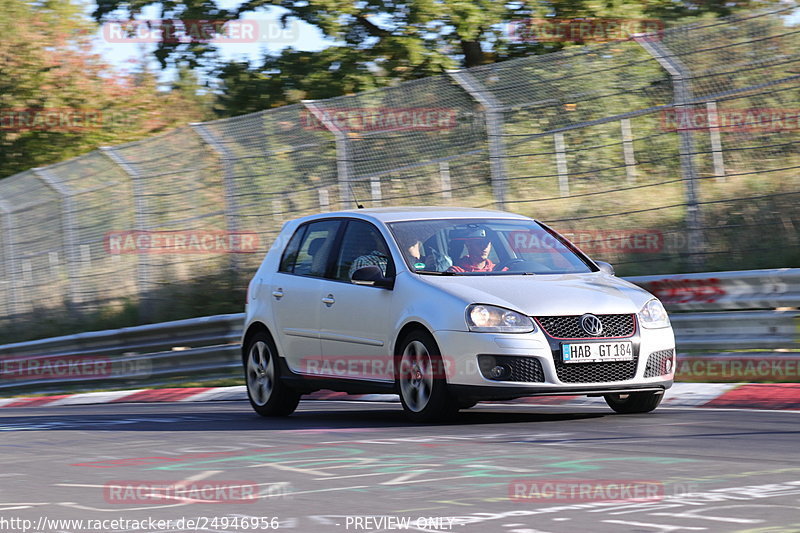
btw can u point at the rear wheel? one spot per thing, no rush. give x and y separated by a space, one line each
268 395
634 402
421 379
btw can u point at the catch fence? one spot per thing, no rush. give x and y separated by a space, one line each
668 152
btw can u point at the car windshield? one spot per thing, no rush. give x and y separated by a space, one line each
485 247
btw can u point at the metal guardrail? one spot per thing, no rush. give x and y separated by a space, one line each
737 330
723 326
207 348
714 291
191 349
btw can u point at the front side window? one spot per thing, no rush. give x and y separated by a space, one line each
485 247
362 245
308 249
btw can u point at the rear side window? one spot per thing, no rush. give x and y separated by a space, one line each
308 250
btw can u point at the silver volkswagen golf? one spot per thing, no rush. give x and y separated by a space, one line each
447 307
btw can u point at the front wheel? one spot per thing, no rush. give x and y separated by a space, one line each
268 395
634 402
421 379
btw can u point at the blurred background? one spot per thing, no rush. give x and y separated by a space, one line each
660 136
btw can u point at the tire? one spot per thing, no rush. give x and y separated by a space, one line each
421 380
268 395
634 402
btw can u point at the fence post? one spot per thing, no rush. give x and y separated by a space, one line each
10 261
561 164
716 140
494 131
375 191
444 181
324 199
682 87
69 244
226 158
343 167
144 278
627 149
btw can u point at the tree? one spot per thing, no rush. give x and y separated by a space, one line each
381 42
59 99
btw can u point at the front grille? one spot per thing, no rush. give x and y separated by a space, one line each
595 372
657 363
569 327
523 369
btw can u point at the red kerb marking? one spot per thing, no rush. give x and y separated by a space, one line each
161 395
760 396
38 400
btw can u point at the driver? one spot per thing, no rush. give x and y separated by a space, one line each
478 248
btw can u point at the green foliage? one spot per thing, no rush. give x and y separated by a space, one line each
207 295
377 43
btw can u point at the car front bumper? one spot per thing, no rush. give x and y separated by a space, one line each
460 351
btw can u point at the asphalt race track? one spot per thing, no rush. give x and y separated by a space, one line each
352 466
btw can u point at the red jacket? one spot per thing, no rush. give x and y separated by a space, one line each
463 265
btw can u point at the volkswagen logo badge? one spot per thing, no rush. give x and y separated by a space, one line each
592 325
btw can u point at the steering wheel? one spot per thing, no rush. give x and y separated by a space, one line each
506 264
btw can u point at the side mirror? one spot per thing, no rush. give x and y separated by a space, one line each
372 276
605 267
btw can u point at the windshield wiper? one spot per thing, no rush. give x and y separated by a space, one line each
508 273
437 273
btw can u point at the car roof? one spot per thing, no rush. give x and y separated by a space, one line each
397 214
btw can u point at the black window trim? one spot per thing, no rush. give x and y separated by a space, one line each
302 228
330 265
570 246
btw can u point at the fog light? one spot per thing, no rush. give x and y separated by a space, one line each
668 366
497 372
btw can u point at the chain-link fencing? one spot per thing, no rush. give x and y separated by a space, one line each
668 152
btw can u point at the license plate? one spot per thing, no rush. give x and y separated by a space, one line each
596 352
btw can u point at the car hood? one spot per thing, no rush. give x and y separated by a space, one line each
547 295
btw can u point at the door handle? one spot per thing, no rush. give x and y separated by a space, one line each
278 294
328 300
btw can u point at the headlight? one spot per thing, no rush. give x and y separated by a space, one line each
653 315
490 319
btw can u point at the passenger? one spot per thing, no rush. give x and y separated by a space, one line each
434 261
378 256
